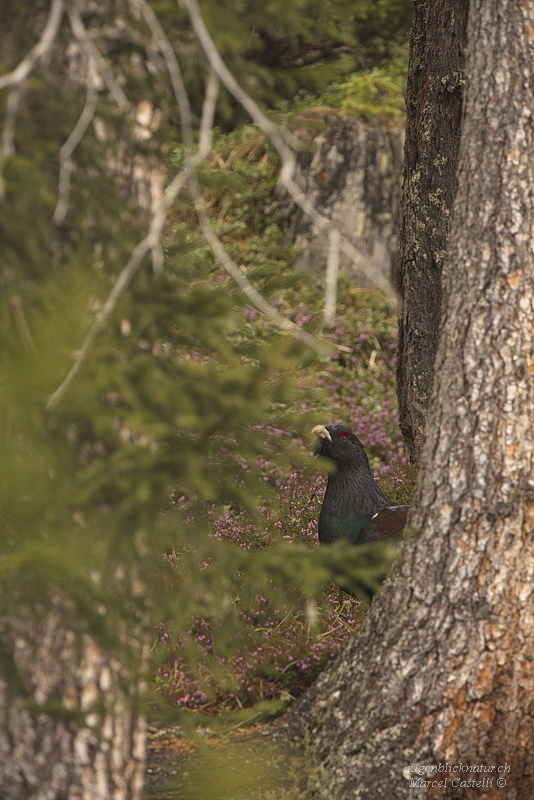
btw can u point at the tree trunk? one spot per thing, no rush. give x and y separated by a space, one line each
77 734
441 677
433 111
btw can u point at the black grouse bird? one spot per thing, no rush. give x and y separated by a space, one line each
354 506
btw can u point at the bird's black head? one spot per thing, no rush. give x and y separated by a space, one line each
339 444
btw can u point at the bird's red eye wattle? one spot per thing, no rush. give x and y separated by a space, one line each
344 436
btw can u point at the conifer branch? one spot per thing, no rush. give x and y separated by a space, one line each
148 244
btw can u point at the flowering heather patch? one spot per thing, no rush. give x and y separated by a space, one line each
281 648
277 658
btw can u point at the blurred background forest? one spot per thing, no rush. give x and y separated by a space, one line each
169 490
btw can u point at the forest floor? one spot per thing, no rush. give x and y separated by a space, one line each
245 764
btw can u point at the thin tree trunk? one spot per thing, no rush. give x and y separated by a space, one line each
441 676
433 113
76 734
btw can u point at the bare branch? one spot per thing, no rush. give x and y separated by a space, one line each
206 125
22 324
320 346
152 241
66 151
81 34
7 150
158 258
322 223
149 243
173 66
226 77
208 113
288 157
8 134
48 36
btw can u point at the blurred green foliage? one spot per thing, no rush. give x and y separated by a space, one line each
171 405
377 93
381 29
179 388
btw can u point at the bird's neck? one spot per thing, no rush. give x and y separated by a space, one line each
356 492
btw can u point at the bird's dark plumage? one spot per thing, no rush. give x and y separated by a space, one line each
354 506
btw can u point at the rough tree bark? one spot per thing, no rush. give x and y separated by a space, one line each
433 113
441 676
75 732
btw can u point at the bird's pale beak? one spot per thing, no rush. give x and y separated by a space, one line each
322 432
